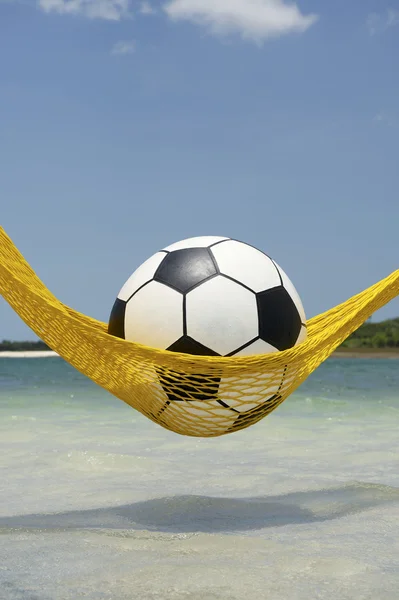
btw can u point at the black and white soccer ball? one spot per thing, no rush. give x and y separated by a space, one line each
210 296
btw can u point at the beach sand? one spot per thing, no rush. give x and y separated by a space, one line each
28 354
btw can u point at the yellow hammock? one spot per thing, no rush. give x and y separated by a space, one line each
192 395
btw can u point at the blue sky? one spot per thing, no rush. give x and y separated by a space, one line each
126 126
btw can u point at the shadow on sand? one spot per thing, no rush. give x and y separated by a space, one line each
184 514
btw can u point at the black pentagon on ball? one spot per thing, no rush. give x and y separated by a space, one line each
188 345
116 325
180 387
252 416
184 269
279 320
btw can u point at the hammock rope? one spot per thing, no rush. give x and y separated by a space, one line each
200 396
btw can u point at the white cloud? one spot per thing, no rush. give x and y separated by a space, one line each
146 8
379 22
111 10
124 47
382 118
252 19
379 118
393 17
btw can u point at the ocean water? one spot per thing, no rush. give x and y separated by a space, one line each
98 502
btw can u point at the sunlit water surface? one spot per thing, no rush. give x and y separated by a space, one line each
98 502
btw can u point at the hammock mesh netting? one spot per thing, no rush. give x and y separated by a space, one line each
200 396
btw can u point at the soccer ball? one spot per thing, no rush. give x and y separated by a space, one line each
211 296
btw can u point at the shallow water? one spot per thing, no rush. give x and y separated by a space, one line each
98 502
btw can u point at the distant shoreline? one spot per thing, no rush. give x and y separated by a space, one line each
366 353
341 353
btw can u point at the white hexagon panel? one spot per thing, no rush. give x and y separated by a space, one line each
222 315
204 241
141 276
257 347
153 316
246 264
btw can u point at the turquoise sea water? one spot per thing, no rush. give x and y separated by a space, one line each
98 502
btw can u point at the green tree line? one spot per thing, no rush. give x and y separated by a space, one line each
7 346
375 335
